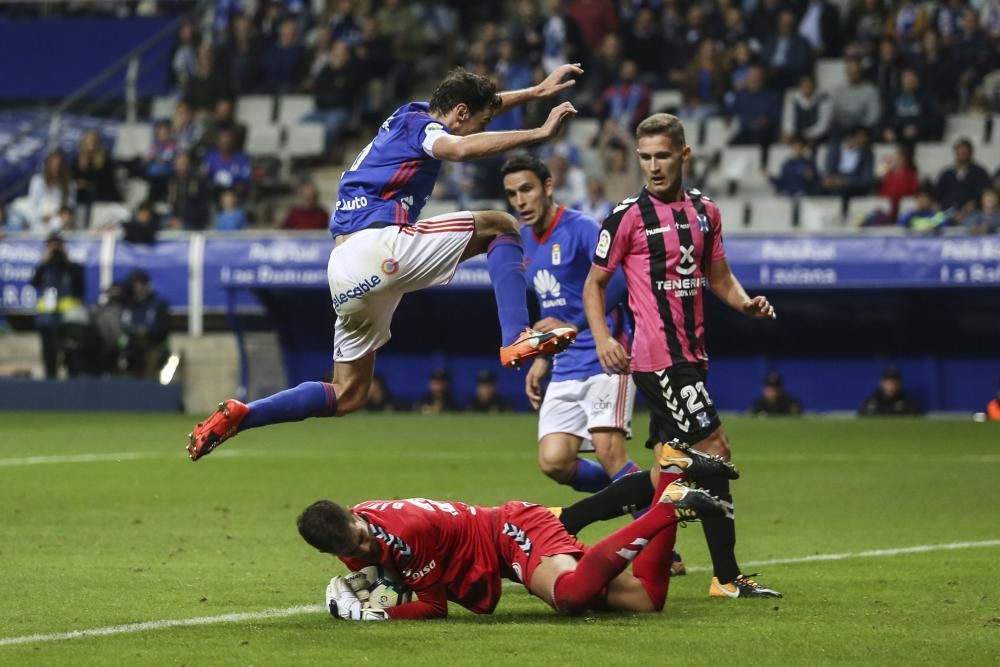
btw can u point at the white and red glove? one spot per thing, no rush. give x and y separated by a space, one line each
343 602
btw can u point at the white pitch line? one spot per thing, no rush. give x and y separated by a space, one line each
98 458
309 609
159 625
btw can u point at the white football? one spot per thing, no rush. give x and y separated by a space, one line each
388 590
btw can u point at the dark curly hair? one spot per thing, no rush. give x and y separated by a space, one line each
463 87
328 527
526 162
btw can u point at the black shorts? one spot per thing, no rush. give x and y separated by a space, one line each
679 404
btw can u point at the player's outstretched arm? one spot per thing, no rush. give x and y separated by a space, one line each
485 144
559 80
728 288
613 357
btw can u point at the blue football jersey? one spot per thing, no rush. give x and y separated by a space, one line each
557 266
393 176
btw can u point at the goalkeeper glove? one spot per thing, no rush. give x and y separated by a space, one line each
343 602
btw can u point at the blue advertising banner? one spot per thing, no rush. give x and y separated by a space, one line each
20 257
166 263
237 264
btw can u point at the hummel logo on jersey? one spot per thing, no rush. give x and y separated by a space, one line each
523 541
548 289
391 541
659 230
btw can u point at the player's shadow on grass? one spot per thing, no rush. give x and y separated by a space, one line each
547 617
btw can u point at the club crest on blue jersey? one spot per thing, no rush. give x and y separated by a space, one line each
556 255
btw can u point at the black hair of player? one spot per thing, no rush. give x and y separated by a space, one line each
463 87
526 162
328 527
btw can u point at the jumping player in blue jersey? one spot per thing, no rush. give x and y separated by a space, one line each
383 250
581 402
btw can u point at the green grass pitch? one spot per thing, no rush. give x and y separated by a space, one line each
127 530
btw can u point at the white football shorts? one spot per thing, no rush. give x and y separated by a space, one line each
371 271
578 407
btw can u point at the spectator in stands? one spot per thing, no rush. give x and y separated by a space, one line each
773 399
993 407
603 70
223 118
286 62
856 103
960 186
207 85
569 182
527 27
910 22
145 328
596 19
695 28
402 25
563 39
374 56
889 398
850 165
900 179
488 400
142 228
48 191
739 68
345 23
231 216
975 53
926 216
621 170
886 71
184 61
764 20
334 89
513 69
93 172
703 84
787 55
438 398
106 317
985 220
866 23
160 160
798 175
735 27
307 213
187 196
947 20
60 285
187 130
937 71
913 115
239 58
757 111
226 168
595 205
820 26
646 46
66 219
806 113
627 101
380 399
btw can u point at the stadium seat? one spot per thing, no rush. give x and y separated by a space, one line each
733 211
860 207
969 125
772 214
830 74
292 108
136 192
740 165
666 100
582 130
820 155
108 214
717 133
263 140
255 109
163 107
932 158
132 141
820 213
776 156
305 140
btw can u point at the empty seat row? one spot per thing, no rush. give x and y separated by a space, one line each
299 140
253 109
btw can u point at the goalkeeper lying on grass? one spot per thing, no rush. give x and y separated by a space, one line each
446 551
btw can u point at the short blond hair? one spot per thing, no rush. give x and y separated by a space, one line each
665 124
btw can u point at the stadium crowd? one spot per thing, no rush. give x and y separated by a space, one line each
752 65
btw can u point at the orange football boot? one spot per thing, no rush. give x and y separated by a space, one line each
219 427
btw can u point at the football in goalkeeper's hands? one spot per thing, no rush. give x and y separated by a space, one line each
387 591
